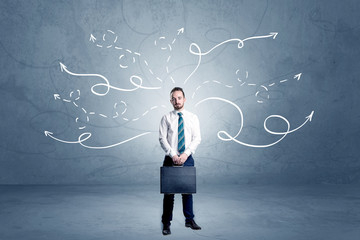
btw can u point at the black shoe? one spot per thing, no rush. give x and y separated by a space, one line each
166 229
192 224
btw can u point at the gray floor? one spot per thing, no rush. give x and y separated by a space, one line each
224 212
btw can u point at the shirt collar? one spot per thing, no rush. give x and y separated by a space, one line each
176 112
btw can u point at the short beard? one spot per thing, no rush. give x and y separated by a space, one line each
178 107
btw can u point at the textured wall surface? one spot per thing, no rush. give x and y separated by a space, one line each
84 85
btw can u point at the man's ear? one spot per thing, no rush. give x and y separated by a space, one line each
184 100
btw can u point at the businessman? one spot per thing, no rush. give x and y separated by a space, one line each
179 136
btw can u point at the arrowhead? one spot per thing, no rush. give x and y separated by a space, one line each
56 96
62 66
47 133
181 30
298 76
274 34
92 38
310 116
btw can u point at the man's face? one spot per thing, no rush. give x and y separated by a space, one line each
177 100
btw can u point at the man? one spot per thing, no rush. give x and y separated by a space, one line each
179 136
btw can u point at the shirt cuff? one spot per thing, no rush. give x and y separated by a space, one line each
172 153
187 152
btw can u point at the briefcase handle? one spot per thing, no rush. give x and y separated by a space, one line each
178 165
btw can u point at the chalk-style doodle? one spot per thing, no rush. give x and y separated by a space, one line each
85 136
74 100
129 59
265 88
107 84
115 107
169 47
225 136
241 44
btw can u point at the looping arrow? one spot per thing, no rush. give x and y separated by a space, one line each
85 136
308 119
109 40
241 43
107 83
225 136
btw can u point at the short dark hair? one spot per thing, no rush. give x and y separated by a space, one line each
177 89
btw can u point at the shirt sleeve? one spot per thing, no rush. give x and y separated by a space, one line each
196 137
163 132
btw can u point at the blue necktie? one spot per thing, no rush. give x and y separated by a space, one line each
181 136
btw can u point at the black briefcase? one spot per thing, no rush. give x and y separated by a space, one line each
178 179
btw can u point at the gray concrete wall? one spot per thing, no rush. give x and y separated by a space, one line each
236 86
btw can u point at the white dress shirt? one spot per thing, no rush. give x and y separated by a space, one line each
168 132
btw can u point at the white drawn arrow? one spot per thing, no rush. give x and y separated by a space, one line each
234 105
85 136
198 63
56 96
107 83
113 145
308 119
240 45
181 30
50 134
233 138
298 76
225 136
229 137
92 38
270 35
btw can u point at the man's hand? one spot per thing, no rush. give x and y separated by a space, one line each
176 160
179 160
183 157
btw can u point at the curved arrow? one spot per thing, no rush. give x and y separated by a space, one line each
107 83
272 34
233 104
50 134
254 145
308 119
113 145
92 38
298 76
225 136
181 30
56 96
240 43
85 136
198 63
233 138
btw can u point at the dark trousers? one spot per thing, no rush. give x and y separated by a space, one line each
187 199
